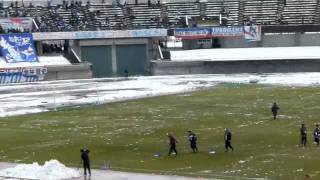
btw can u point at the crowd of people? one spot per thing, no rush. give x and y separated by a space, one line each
49 48
82 17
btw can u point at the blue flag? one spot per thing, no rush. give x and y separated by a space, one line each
17 48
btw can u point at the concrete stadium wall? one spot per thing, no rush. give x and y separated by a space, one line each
228 67
276 40
78 71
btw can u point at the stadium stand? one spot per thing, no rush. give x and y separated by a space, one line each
229 9
176 11
300 11
142 17
107 16
153 14
262 12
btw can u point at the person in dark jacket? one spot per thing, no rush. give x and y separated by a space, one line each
172 144
193 141
86 161
274 110
316 134
126 73
303 134
227 140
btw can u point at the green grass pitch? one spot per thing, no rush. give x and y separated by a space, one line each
128 134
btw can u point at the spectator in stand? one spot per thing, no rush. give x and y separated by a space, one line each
64 3
248 21
72 4
114 3
1 30
31 5
107 20
20 13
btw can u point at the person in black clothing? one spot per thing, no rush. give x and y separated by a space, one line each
86 161
316 134
303 134
172 144
227 139
126 73
193 141
274 110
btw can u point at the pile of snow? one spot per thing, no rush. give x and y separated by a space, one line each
51 170
43 61
231 54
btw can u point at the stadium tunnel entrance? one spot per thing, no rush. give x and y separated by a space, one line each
117 57
112 56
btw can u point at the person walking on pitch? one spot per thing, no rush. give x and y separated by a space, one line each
316 134
303 135
274 110
193 141
227 140
172 144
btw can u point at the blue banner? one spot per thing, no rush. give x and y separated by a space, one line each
227 31
149 33
18 48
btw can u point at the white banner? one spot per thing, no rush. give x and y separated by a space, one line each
252 33
20 23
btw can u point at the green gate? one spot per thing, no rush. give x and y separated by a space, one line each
132 58
101 59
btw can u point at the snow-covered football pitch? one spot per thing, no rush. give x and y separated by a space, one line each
129 134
